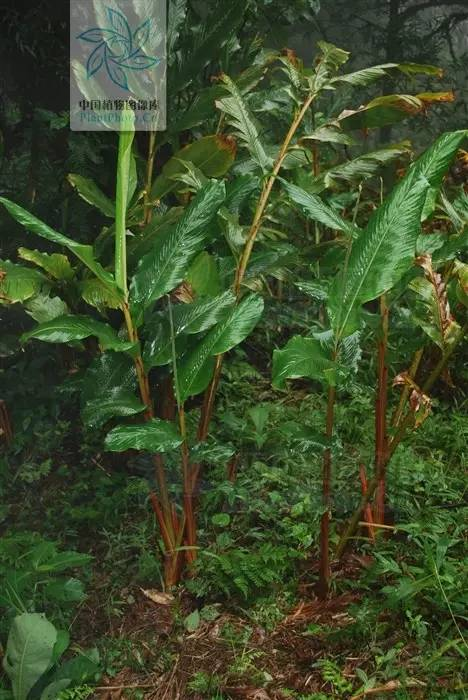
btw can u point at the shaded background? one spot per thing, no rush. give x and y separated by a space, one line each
37 149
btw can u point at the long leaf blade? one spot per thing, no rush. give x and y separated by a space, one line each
82 251
68 328
386 249
154 436
318 210
193 374
240 117
164 267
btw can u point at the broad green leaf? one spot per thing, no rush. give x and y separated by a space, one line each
315 208
97 294
18 283
305 438
390 109
330 61
61 561
61 644
202 314
365 166
82 252
97 412
90 192
191 179
109 389
220 339
154 436
107 374
435 161
14 585
303 357
188 319
386 249
56 265
367 76
314 289
192 621
203 275
123 195
66 329
270 262
29 652
332 55
221 519
69 590
157 349
329 134
53 690
80 669
43 308
165 266
212 453
213 155
240 192
143 240
244 123
355 170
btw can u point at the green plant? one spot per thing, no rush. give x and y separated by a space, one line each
202 255
159 272
32 657
31 569
208 685
375 261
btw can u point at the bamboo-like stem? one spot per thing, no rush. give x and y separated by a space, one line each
5 425
368 516
324 566
148 205
381 436
264 197
123 166
210 394
405 424
145 395
189 513
189 527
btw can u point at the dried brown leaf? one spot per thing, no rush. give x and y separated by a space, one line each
158 597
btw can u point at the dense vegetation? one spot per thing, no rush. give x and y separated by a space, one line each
233 422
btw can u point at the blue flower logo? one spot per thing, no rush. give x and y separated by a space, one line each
118 49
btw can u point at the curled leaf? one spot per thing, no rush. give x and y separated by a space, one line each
420 403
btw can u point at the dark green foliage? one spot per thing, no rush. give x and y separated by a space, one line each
136 294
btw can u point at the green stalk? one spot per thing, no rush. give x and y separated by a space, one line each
189 525
148 209
121 204
207 410
121 200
